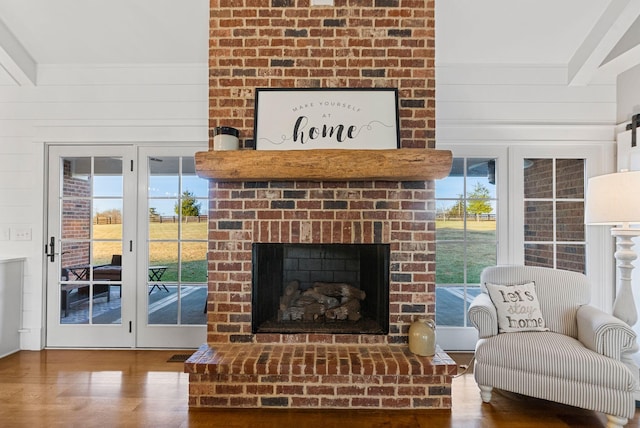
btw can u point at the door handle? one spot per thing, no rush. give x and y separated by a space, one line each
51 251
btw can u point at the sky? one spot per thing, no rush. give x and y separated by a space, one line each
163 192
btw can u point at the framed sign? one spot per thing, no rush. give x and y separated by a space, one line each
302 119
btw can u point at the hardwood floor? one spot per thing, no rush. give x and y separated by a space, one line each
71 388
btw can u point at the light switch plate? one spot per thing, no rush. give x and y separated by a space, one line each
5 234
21 234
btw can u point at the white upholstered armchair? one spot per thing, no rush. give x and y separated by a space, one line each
579 356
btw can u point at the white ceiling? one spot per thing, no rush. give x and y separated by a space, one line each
578 34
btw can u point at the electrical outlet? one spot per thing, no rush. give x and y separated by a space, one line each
21 234
5 235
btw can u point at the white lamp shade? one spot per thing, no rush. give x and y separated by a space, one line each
613 199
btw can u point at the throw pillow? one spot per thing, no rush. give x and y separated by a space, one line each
517 306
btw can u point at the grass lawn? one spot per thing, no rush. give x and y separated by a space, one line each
163 248
479 252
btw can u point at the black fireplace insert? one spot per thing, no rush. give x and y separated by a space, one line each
320 288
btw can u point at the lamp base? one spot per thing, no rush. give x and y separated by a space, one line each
624 307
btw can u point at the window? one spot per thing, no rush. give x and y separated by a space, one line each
466 235
554 233
177 263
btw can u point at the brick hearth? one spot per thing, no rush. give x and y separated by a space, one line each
309 376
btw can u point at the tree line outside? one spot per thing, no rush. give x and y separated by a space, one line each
188 207
163 250
477 204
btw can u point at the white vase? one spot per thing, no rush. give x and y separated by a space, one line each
422 337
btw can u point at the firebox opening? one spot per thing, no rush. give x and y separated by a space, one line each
320 288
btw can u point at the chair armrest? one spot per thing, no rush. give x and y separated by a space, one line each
483 316
604 333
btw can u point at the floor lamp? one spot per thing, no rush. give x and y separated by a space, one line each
614 199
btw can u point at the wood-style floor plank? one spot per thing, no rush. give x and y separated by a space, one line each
89 388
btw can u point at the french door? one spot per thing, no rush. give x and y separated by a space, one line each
126 248
471 233
173 232
90 247
518 205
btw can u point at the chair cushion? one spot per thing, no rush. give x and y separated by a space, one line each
553 355
517 307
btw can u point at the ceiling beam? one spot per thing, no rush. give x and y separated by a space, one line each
607 32
15 59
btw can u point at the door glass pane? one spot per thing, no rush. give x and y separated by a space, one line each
538 220
539 255
193 266
178 228
466 239
163 178
554 230
570 221
538 178
571 257
570 178
91 240
163 220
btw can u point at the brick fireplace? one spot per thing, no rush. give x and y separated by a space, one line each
287 43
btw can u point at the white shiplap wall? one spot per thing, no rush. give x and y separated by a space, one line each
83 105
521 102
168 104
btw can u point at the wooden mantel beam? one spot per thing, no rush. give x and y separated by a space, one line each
324 165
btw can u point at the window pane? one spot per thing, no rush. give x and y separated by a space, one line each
192 305
107 178
107 304
481 178
77 218
538 255
571 257
479 256
190 181
450 263
570 178
194 262
76 178
538 221
164 254
163 305
75 261
163 222
107 219
570 221
163 176
103 252
538 178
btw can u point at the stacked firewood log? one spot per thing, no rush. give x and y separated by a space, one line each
324 301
